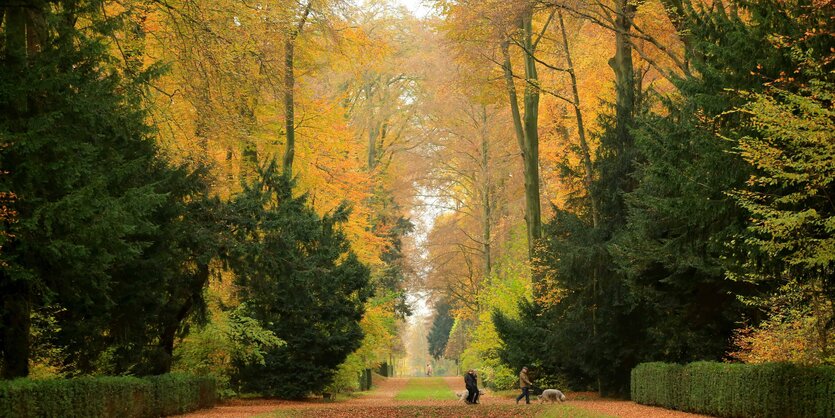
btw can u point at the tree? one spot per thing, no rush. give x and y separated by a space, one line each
790 198
439 331
95 202
499 26
526 126
299 279
295 26
685 235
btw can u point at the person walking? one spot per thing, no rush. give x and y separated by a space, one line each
471 383
525 384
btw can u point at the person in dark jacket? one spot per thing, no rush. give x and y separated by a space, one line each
471 382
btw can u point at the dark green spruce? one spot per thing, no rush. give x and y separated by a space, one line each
300 280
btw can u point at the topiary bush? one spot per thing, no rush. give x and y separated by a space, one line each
125 397
737 390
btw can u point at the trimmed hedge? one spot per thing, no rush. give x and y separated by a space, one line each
737 390
123 397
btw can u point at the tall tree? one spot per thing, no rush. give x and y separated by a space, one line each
294 30
526 126
299 279
93 195
439 331
793 148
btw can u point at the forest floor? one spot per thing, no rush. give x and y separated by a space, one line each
401 397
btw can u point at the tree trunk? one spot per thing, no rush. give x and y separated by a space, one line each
16 56
289 117
169 331
289 86
531 125
372 129
486 193
624 73
16 294
16 327
581 130
526 129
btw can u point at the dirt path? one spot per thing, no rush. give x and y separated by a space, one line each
383 394
381 403
586 400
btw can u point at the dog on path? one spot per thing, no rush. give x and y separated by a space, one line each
464 394
551 395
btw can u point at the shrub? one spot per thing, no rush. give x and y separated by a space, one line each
737 390
125 397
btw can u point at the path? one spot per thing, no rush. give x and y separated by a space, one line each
381 402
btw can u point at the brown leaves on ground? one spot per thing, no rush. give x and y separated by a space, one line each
381 403
438 411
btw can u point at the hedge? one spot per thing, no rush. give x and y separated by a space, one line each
123 397
737 390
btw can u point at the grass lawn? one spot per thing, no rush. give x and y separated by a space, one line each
425 388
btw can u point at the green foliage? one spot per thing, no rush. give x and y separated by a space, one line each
792 149
389 279
210 349
104 227
509 282
300 281
595 329
106 396
658 384
737 390
683 231
651 280
345 379
178 393
439 332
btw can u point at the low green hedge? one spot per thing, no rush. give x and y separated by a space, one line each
122 397
737 390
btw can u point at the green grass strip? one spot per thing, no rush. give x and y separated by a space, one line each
425 388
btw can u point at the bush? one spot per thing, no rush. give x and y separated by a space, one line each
106 396
737 390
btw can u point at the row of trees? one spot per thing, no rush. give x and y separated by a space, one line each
690 217
701 215
143 214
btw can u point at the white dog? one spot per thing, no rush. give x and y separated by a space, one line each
552 395
464 394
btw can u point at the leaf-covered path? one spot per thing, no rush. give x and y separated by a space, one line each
384 401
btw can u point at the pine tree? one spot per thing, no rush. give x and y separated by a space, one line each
685 233
95 204
300 280
439 332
